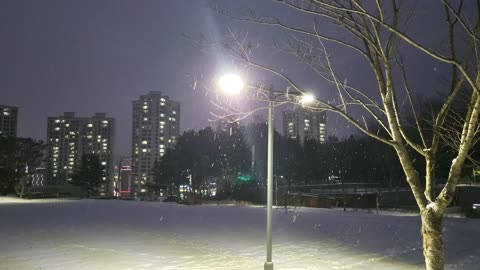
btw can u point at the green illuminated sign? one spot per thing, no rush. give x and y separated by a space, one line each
244 177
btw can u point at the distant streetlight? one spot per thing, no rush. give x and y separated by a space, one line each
233 84
307 98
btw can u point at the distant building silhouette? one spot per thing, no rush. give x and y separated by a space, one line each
8 120
156 127
69 137
302 124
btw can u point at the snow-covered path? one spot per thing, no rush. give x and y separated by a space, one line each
95 234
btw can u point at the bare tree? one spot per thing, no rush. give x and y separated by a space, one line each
376 31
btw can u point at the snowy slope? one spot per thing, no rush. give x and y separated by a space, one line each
90 234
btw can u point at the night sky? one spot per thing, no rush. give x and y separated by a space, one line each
98 55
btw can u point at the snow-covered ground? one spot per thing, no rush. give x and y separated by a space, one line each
109 234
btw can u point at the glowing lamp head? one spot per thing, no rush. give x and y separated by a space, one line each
231 84
307 99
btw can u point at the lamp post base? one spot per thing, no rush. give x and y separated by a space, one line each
268 266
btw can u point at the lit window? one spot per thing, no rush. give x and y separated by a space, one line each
174 112
162 150
162 100
67 125
144 150
162 146
104 163
162 126
57 129
162 115
144 142
145 107
162 104
57 121
90 125
145 119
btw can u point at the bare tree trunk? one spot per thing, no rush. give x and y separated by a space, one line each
433 249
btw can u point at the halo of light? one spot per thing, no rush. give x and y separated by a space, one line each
307 98
231 84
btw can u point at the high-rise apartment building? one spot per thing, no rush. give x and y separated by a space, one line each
305 124
156 127
70 137
8 120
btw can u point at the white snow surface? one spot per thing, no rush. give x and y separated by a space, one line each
134 235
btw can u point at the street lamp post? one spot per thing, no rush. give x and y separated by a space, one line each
269 264
233 84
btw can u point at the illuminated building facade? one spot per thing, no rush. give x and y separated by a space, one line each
156 127
8 121
36 179
304 124
123 178
70 137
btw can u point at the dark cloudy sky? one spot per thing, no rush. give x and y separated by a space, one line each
98 55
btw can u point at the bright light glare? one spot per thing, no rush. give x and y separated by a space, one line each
231 84
307 99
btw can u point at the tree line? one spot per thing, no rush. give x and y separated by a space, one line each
20 157
235 157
